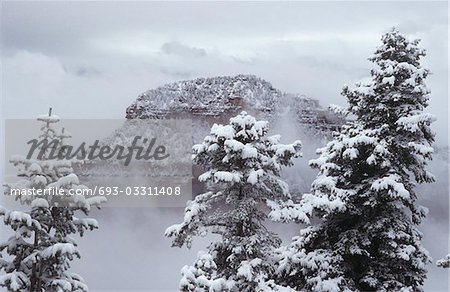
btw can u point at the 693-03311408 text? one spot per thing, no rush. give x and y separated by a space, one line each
138 191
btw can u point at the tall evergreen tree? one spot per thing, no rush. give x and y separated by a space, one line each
367 238
242 168
37 257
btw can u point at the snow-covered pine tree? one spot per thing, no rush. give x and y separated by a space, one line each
243 175
37 257
367 239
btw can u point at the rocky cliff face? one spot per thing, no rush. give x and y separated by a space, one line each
215 100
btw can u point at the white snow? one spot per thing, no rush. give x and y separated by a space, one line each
405 251
39 179
421 149
34 167
226 131
86 222
444 262
249 152
339 110
59 248
14 280
388 80
234 145
245 270
351 153
282 150
205 176
391 183
19 216
364 89
62 284
39 203
65 181
412 123
359 139
371 160
96 201
226 176
254 176
289 211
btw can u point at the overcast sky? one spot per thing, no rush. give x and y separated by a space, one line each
92 59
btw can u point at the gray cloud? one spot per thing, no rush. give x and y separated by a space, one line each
182 50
